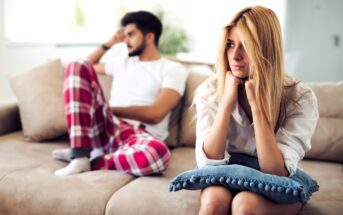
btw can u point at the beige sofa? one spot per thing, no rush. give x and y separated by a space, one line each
28 185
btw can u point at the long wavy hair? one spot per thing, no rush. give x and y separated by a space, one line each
260 33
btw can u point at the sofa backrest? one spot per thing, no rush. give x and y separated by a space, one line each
327 141
188 113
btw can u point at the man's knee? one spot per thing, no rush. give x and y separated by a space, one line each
79 68
160 149
152 159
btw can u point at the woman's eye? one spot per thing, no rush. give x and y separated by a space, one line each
229 44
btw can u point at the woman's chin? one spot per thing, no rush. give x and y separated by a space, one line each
240 75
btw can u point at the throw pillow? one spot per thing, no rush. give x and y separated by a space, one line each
296 188
40 98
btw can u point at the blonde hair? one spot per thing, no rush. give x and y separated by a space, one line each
260 33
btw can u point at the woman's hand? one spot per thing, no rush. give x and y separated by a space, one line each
230 95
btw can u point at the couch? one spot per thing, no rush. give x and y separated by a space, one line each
28 184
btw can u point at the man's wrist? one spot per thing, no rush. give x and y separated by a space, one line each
105 47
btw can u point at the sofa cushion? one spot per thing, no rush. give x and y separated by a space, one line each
330 196
329 96
174 126
106 84
188 120
149 195
327 141
39 191
29 186
40 98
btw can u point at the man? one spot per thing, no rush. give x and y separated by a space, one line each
126 135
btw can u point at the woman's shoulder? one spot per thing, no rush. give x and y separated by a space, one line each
206 92
299 98
297 90
209 84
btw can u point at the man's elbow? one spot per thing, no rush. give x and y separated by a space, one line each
153 119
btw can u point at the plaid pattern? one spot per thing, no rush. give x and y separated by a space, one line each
91 124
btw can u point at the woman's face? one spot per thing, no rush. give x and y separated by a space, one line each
236 55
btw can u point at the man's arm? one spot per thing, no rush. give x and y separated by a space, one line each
152 114
95 57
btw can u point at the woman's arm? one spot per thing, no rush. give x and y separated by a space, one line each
269 156
215 142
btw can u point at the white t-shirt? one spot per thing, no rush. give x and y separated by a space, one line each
138 83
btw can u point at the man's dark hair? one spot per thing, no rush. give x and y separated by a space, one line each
145 21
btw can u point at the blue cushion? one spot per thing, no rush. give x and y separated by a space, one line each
296 188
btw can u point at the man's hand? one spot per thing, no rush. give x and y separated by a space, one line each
95 57
118 37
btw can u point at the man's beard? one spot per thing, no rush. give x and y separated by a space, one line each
138 50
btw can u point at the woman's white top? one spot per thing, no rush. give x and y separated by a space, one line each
293 136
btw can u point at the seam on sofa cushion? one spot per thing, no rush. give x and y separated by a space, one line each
110 197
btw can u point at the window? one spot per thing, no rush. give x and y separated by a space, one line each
94 21
59 21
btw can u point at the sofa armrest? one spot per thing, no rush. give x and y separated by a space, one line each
9 116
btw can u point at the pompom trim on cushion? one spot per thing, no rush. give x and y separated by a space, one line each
297 188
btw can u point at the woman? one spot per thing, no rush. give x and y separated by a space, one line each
252 108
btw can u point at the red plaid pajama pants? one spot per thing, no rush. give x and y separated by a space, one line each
91 125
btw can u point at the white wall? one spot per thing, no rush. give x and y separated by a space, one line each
203 23
310 27
314 39
16 58
3 84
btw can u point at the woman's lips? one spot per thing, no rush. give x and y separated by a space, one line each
237 67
